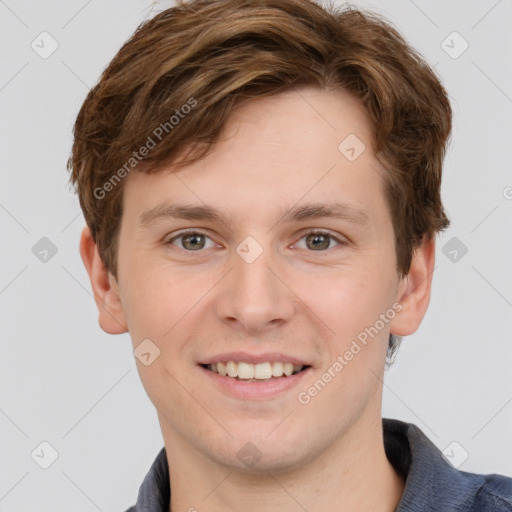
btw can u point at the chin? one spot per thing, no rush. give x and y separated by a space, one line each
250 460
258 455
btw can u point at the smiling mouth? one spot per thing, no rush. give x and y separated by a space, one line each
259 372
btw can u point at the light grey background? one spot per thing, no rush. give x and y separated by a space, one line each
64 381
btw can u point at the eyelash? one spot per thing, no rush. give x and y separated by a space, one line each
309 231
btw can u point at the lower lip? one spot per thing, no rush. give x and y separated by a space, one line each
254 390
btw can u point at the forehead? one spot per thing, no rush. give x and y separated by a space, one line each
275 152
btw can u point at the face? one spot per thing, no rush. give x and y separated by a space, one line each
276 248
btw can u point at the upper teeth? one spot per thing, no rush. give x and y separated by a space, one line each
255 371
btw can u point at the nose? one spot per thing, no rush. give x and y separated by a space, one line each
255 297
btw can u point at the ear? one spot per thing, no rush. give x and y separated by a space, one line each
414 290
104 286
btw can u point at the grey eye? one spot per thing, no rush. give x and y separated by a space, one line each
192 241
318 241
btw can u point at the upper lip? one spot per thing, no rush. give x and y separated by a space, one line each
245 357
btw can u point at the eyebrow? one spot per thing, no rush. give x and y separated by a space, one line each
310 211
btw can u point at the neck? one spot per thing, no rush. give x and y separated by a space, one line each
354 474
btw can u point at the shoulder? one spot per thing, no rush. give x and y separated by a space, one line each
433 483
494 494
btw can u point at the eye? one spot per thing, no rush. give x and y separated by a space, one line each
320 240
191 241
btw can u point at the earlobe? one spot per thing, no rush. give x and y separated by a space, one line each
414 290
104 286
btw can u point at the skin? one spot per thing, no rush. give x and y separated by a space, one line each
276 152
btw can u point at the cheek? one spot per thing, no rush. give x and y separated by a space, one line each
160 298
152 301
347 301
350 305
158 303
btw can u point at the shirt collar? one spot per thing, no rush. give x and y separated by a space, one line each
432 483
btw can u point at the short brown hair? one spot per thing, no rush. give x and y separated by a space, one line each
214 55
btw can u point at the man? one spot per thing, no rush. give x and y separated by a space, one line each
261 185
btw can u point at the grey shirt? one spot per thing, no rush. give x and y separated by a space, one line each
432 484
